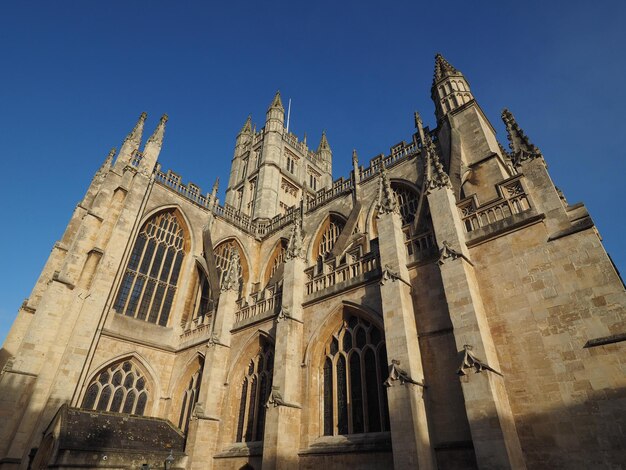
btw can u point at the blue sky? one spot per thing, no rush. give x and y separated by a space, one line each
76 75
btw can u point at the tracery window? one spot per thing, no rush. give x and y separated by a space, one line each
190 397
277 258
223 256
255 389
329 236
149 283
354 369
407 202
120 388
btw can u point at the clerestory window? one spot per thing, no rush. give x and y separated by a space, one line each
120 388
149 283
353 372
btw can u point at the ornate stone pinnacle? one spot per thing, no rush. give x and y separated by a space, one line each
231 279
247 127
435 175
159 132
135 134
387 202
277 102
520 145
109 159
355 158
443 68
295 247
216 185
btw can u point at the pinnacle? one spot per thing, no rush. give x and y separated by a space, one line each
277 103
443 68
519 142
247 127
135 134
323 142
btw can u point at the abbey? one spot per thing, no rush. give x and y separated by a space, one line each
443 306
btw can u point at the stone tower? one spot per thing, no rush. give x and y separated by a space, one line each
442 307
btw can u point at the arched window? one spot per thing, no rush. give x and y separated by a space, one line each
354 369
150 280
204 302
190 396
276 259
255 389
330 232
121 388
223 256
407 200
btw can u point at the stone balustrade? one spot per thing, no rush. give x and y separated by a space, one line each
513 200
261 305
352 271
420 246
198 328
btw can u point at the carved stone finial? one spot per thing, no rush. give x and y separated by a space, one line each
355 159
436 176
324 145
387 202
519 143
443 68
216 185
231 279
295 247
277 102
472 362
247 127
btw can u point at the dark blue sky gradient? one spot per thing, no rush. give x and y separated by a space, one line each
76 75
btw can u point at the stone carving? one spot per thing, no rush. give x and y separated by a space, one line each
472 362
397 374
231 279
276 399
295 247
447 252
435 175
386 198
521 147
389 275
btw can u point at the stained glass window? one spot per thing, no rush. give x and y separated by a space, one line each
121 387
255 389
149 283
353 373
331 232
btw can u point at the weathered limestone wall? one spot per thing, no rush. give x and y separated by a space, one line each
545 301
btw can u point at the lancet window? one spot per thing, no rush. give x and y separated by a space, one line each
190 397
149 283
255 389
353 372
120 388
277 258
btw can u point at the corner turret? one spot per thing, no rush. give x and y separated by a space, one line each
450 89
275 116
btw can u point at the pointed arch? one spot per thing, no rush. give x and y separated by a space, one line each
123 384
329 230
407 196
185 390
274 261
150 281
223 254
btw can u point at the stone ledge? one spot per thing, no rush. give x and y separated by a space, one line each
351 443
342 287
576 227
241 449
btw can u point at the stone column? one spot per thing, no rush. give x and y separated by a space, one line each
204 426
281 439
405 385
495 438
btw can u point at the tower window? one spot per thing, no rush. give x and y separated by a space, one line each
354 368
290 165
149 283
255 389
312 182
120 388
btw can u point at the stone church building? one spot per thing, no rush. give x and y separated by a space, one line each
443 306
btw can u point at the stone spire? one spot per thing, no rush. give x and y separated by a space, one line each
435 175
247 127
131 142
136 133
323 143
521 147
216 186
450 89
108 161
277 102
159 132
419 126
231 279
443 69
386 197
295 247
